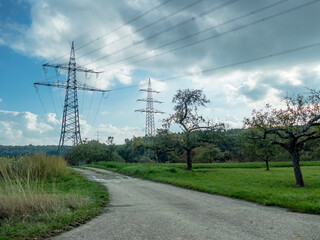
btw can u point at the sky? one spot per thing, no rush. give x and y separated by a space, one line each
243 54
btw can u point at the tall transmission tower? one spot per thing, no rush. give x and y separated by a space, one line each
149 110
70 129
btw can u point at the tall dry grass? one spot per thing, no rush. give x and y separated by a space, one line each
22 192
38 166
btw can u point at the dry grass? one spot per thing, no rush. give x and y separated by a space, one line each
23 204
38 166
21 188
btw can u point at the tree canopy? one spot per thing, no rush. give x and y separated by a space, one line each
186 116
291 126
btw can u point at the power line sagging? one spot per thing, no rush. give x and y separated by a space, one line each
149 110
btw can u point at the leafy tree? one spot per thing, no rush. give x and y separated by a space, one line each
291 127
132 150
161 144
210 153
186 106
258 149
111 147
88 152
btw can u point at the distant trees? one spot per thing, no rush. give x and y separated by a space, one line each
162 144
89 152
291 127
210 153
187 103
16 151
258 148
132 150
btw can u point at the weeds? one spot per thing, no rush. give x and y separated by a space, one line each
40 191
38 166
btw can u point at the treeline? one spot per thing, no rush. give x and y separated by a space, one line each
17 151
234 145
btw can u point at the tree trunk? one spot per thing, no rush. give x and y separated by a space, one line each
296 167
267 163
188 149
189 162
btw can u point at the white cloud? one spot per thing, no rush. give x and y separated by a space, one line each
119 134
20 128
51 118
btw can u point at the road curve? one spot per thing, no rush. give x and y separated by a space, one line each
141 209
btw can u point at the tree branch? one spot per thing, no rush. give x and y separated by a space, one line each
280 144
302 142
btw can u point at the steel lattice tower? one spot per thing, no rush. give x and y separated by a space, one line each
149 110
70 129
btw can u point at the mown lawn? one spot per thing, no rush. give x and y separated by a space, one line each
249 181
87 198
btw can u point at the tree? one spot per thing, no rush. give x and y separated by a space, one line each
132 150
210 153
291 126
186 106
88 152
258 148
161 144
111 147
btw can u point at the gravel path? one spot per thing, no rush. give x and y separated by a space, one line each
141 209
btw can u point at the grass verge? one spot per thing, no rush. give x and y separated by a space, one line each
39 207
244 181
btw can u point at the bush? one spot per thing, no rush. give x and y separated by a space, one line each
89 152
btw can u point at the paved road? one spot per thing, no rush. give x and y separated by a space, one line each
141 209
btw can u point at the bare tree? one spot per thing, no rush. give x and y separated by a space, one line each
186 107
291 126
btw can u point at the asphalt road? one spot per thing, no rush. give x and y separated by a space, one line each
141 209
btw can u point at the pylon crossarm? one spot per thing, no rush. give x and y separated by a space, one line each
146 100
83 86
80 86
51 84
149 111
66 66
148 90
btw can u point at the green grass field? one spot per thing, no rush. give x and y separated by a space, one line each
248 181
40 197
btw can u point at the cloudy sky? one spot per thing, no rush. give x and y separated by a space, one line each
242 53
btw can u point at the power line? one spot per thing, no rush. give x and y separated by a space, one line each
226 32
317 44
143 28
44 108
196 34
118 27
96 114
223 5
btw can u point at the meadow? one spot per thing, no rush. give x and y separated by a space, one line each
247 181
40 197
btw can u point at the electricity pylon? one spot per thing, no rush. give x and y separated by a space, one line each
149 110
70 129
